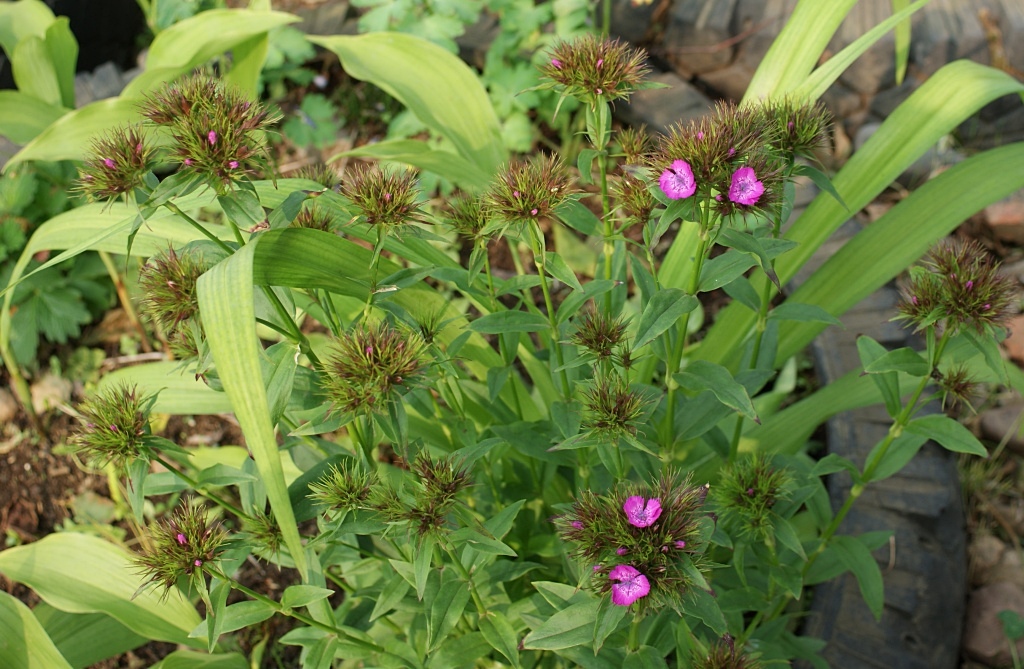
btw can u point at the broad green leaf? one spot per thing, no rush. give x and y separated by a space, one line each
85 639
751 245
948 433
247 59
180 392
607 622
302 258
798 48
701 375
904 359
62 48
33 71
819 178
393 593
887 382
100 579
902 35
237 616
856 557
23 117
440 89
480 542
662 312
199 38
573 626
557 267
445 611
701 604
645 657
70 136
724 269
881 465
814 86
459 651
296 596
226 306
449 165
509 321
501 636
189 659
25 643
803 313
19 20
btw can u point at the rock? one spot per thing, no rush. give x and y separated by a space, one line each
697 38
984 639
1006 218
730 82
631 21
1014 344
50 392
875 69
9 406
1008 569
474 43
984 554
660 108
1004 422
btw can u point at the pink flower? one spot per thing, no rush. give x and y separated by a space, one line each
188 162
109 162
211 137
577 524
631 586
680 545
620 551
745 188
233 164
556 63
181 539
677 181
642 514
600 62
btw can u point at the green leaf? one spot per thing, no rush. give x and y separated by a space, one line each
585 164
33 71
749 244
421 565
459 651
701 375
662 312
701 604
445 611
297 596
25 642
896 456
803 313
948 433
237 616
509 321
645 657
856 557
85 639
226 306
100 579
19 20
393 593
501 636
247 60
904 359
787 535
189 659
556 266
23 117
62 48
989 348
440 89
607 622
888 382
820 179
480 542
179 391
573 626
723 270
419 154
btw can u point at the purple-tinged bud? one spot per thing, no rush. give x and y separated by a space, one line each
969 285
597 567
556 63
109 162
387 197
913 300
577 524
621 551
233 164
181 539
515 193
600 62
750 492
188 162
533 212
700 134
680 545
731 152
211 137
114 428
198 563
599 91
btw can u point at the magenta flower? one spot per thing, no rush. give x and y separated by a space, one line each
211 137
745 188
677 181
620 551
641 514
233 164
631 586
557 64
109 162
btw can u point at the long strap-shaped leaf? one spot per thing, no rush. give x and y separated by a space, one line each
916 125
26 644
229 318
906 232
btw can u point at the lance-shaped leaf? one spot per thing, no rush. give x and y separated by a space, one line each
701 375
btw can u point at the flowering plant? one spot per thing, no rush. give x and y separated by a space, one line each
428 439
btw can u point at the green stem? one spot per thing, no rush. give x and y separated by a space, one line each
199 227
633 644
762 324
556 347
192 483
464 573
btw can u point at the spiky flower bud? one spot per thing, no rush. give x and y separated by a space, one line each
958 285
314 217
117 163
168 281
466 216
636 142
957 386
218 134
593 69
343 487
640 543
528 191
599 333
262 533
798 128
367 366
180 546
114 424
320 173
746 494
724 655
613 408
432 498
382 196
634 198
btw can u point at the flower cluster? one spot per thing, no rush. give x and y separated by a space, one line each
383 197
594 69
724 655
343 487
797 128
599 333
430 501
528 191
117 164
180 546
726 158
114 425
640 543
168 281
613 408
218 134
746 494
368 365
957 286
